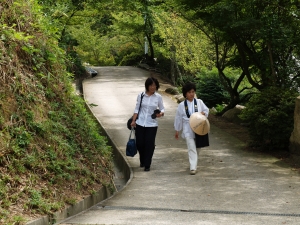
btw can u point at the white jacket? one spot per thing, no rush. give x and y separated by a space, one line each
149 104
182 121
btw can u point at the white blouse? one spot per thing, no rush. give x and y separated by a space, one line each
149 104
182 121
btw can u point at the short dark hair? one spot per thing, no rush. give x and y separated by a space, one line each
150 81
187 87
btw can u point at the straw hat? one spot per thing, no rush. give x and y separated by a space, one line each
199 123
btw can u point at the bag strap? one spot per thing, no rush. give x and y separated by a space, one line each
187 109
132 131
142 95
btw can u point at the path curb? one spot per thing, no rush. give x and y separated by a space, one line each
101 195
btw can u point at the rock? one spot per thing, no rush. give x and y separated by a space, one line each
172 90
232 114
213 110
179 98
241 107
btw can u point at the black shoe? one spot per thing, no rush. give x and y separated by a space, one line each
142 165
147 169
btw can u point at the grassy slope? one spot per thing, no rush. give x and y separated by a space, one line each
51 152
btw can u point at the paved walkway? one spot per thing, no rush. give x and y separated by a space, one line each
231 187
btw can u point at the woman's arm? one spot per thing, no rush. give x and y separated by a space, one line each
133 124
161 108
178 122
204 108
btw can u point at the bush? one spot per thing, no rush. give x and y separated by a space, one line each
106 61
131 60
210 89
270 115
163 65
220 108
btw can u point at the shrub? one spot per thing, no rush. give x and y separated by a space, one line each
270 115
164 65
220 107
210 89
131 60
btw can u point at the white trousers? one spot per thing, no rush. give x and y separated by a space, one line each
193 153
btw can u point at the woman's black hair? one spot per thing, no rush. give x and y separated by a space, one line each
150 81
187 87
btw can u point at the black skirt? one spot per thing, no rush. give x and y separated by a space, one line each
201 140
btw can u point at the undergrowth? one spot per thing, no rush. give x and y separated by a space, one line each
51 149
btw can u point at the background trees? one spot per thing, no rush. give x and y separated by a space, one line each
258 38
264 35
231 49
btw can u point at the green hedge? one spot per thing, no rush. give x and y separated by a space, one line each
210 89
270 115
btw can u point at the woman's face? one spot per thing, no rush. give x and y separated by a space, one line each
152 88
190 95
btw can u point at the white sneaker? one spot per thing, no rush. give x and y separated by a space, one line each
193 172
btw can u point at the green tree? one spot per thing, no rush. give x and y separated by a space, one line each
184 45
137 18
265 35
92 47
224 54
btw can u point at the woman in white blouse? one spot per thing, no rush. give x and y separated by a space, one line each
181 122
145 121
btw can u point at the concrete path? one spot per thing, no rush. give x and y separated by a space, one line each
231 187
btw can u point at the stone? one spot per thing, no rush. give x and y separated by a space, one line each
213 110
232 115
241 107
179 98
172 90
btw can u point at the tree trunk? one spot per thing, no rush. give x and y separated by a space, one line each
271 63
150 47
172 58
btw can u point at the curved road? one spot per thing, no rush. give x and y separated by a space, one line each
231 187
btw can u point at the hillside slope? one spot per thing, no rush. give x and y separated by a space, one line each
51 150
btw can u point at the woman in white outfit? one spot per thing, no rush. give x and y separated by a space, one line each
181 122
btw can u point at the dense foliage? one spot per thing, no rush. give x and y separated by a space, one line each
49 142
210 89
261 40
251 44
270 115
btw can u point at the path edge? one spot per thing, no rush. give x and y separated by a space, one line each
103 194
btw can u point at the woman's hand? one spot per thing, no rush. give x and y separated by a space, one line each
133 124
159 114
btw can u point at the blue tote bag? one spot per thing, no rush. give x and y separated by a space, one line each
131 149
